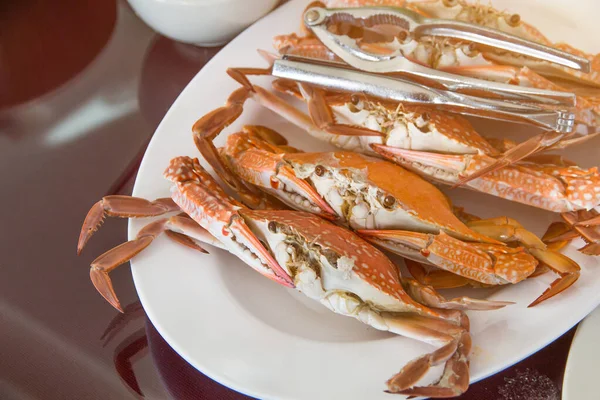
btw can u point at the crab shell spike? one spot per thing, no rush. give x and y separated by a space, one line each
199 196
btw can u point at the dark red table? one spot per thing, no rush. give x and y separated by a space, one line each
82 89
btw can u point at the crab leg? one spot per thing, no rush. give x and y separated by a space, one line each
455 378
566 268
586 224
519 152
320 112
451 334
180 228
208 127
124 207
594 221
507 230
438 278
323 117
428 296
558 235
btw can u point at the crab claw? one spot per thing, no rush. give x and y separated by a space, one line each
441 167
271 172
255 254
300 186
199 196
485 263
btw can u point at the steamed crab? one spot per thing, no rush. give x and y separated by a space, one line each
370 196
470 60
297 249
442 148
467 58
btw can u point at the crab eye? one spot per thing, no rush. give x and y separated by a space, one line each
272 227
513 20
402 36
389 201
354 99
470 49
450 3
425 117
320 170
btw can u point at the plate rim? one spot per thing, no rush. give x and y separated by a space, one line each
222 379
566 382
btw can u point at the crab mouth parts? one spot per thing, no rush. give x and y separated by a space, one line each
307 252
298 199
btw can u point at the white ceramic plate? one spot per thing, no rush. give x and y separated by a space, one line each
581 374
270 342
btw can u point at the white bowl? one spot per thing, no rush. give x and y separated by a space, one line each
201 22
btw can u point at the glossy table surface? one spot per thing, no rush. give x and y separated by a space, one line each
81 93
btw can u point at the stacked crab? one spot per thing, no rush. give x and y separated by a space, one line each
316 221
445 148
